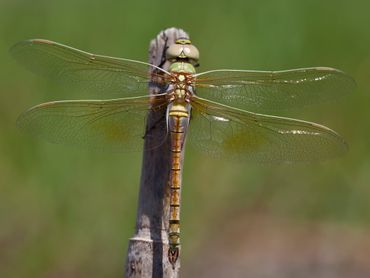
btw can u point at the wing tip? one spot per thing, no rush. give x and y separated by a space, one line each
41 41
23 43
346 82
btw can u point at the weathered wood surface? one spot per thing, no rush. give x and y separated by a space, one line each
147 251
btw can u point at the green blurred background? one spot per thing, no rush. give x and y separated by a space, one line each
66 212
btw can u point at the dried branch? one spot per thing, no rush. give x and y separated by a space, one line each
148 248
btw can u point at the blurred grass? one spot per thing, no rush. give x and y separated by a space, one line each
69 213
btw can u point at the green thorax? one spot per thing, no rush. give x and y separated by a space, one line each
182 67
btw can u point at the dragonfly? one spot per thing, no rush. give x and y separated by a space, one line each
212 109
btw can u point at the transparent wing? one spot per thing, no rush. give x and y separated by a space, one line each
117 124
262 91
223 131
102 76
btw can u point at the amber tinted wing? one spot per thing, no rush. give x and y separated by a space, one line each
223 131
99 76
117 124
263 91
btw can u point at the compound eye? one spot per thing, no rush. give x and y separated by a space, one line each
183 51
174 51
191 52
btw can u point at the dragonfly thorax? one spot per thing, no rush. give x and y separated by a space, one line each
182 66
182 81
179 94
180 89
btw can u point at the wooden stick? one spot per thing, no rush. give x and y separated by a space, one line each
148 248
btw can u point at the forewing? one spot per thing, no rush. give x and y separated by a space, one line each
223 131
263 91
100 76
117 124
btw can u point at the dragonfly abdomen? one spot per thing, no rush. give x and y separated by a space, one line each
178 121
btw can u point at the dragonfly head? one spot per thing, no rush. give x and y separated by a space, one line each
183 50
